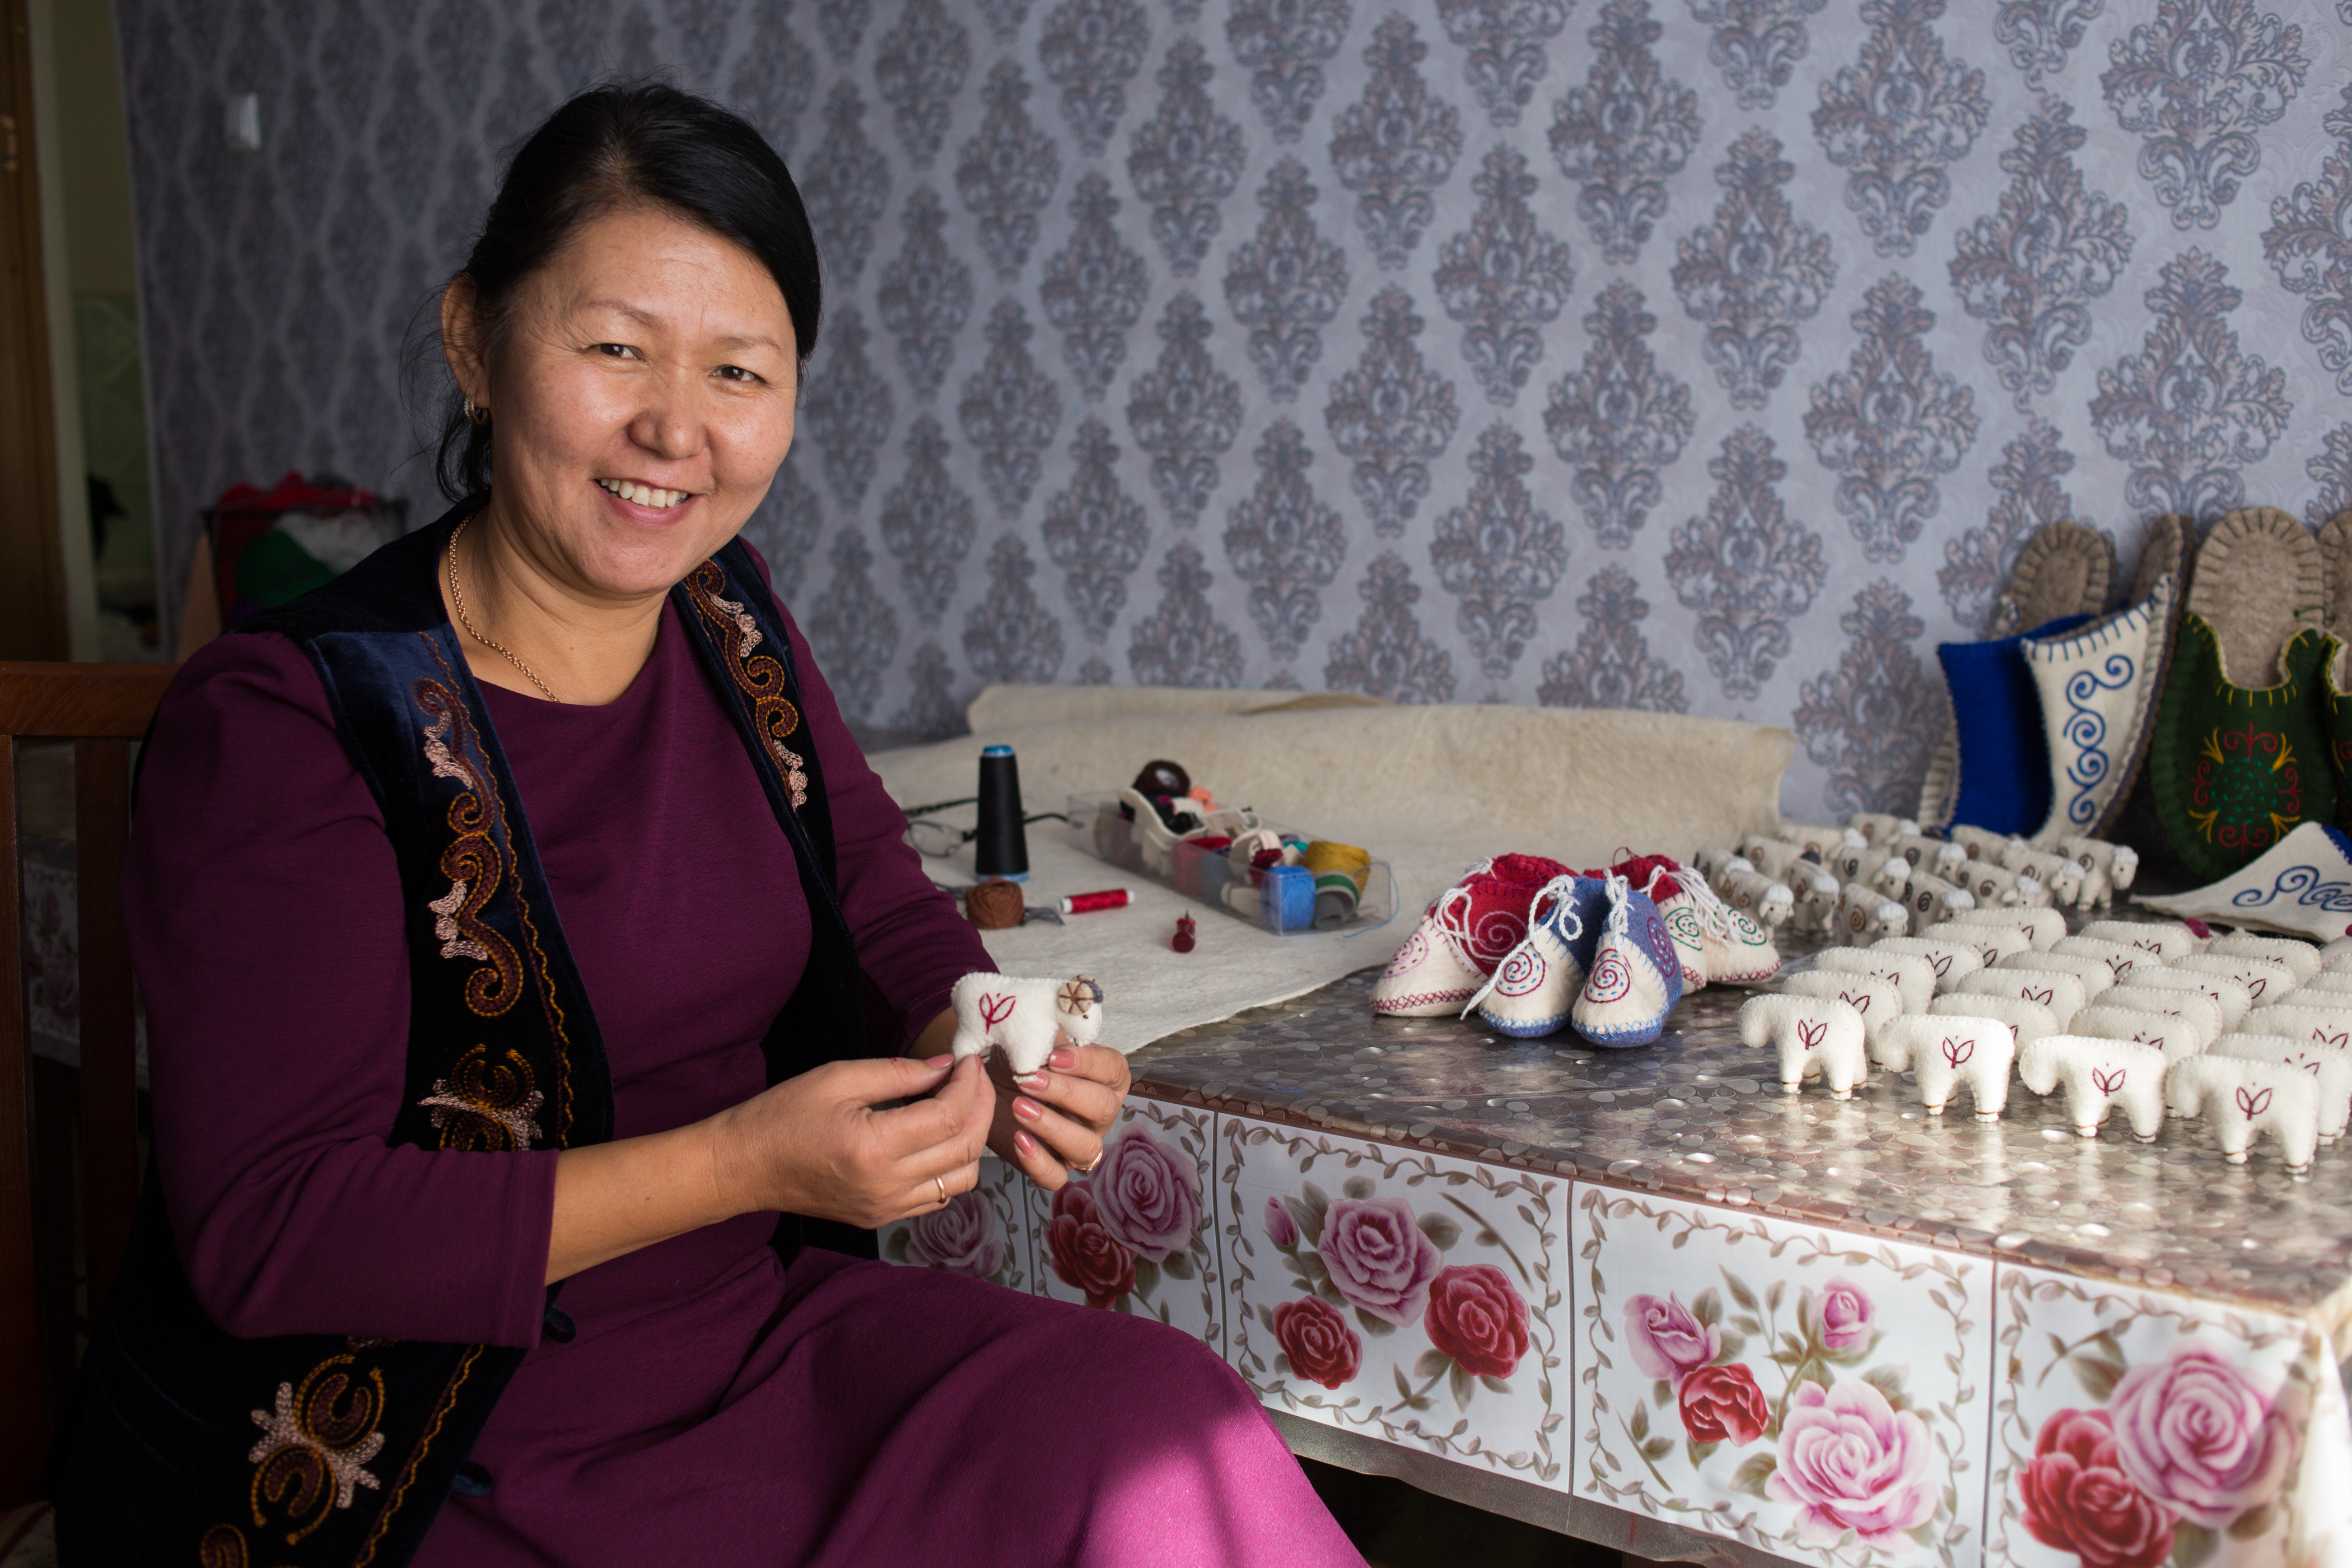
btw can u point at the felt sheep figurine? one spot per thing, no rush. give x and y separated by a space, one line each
2329 1027
2170 1033
1872 996
1914 977
2167 940
1930 899
1815 838
1998 887
2301 957
2057 873
1940 855
1864 914
1992 943
2094 976
1977 842
2260 976
1709 861
1775 857
1943 1051
2107 869
2327 983
1877 865
1766 902
1953 961
2337 954
2062 993
1816 903
2330 1069
1879 828
2238 1098
2233 999
2200 1012
2099 1074
2043 928
2027 1021
2120 960
1022 1017
1811 1035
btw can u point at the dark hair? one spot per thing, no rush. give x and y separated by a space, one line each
609 147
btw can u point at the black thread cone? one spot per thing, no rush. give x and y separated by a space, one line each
1002 847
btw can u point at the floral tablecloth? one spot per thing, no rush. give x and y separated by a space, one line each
1650 1285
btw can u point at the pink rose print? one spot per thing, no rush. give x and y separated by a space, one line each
1666 1340
961 1238
1147 1193
1476 1317
1378 1258
1851 1461
1842 1318
2078 1500
2194 1433
1280 1228
1322 1348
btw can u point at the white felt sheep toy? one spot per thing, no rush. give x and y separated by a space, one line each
2337 954
1998 886
1872 996
2042 927
2058 874
1912 976
2299 956
2327 1026
2233 999
1992 943
2119 959
1930 901
2093 972
2107 869
2200 1012
2170 1033
2238 1098
1022 1017
2327 981
1977 842
1876 865
1816 903
2099 1074
1819 837
2062 993
1760 898
2330 1067
2260 976
2027 1021
1774 858
1810 1034
1953 961
1936 855
2167 940
1709 860
1864 914
1880 828
1945 1050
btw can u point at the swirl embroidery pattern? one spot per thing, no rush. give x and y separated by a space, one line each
761 679
315 1444
474 862
484 1109
2085 729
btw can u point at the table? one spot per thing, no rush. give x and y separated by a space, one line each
1905 1305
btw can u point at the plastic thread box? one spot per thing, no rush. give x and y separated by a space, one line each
1286 900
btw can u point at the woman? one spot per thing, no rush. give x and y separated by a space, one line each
522 934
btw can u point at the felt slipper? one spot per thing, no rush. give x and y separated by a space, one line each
1532 989
1462 938
2065 569
2335 694
2302 886
1717 942
2098 687
2239 752
1635 977
2002 780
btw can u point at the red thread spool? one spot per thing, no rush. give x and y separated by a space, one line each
1087 904
1182 940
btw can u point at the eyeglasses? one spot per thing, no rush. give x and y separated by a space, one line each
942 839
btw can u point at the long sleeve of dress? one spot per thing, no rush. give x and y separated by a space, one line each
264 913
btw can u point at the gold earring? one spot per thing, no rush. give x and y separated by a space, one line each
476 413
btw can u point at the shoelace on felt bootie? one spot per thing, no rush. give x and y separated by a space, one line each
1562 891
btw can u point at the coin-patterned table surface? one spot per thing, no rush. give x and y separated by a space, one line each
1702 1118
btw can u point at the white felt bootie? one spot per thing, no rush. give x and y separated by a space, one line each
1538 980
1636 974
1430 977
1734 950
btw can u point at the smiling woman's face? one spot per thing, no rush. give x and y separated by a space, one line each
640 404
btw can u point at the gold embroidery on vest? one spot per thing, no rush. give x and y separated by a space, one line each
315 1445
773 717
485 1108
472 863
447 1403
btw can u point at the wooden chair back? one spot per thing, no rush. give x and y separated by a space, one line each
102 709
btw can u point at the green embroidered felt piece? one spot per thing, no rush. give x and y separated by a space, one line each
2336 712
2234 769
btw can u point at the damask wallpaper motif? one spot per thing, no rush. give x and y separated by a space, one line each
1709 356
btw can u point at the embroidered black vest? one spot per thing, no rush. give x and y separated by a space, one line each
187 1444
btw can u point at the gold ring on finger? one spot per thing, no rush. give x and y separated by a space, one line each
1089 1169
940 1183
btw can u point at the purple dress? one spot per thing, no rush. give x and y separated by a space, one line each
714 1406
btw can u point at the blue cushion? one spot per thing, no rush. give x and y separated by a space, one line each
2004 785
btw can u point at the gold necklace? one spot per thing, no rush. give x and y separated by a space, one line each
458 599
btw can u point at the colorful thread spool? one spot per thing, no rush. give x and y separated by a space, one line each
1088 903
1287 898
1340 872
993 905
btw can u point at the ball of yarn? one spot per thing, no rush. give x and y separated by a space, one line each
1162 777
1326 856
994 904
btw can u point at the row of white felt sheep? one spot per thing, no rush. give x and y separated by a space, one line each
2251 1034
1880 876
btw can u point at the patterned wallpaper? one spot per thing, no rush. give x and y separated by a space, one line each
1709 356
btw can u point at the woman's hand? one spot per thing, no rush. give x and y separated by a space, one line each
822 1145
1057 1117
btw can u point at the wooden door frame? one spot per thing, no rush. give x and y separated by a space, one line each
33 621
